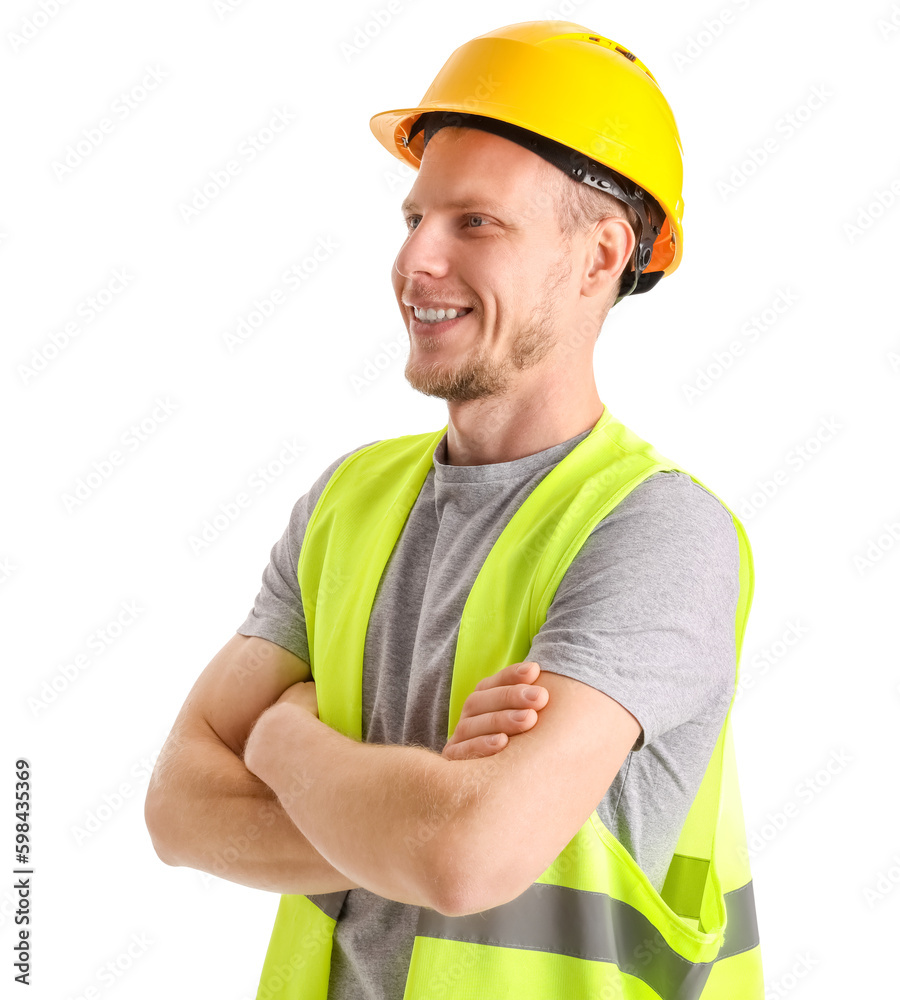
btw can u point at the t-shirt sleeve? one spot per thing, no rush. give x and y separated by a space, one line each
277 612
646 611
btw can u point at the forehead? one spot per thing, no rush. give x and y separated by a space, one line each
464 168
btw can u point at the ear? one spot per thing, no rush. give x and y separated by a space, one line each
609 248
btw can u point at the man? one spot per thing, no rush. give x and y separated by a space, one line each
437 821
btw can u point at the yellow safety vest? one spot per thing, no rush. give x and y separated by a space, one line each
592 926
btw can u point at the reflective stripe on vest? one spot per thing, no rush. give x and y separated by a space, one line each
592 926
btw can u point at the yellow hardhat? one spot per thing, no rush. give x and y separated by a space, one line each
578 99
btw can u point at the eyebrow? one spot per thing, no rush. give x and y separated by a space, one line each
485 203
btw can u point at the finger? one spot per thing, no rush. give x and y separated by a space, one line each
514 673
495 722
480 746
509 697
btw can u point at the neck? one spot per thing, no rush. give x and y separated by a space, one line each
523 422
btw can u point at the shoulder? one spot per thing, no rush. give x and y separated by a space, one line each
305 505
670 511
676 493
671 544
318 487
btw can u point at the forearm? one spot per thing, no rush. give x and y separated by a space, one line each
205 810
385 815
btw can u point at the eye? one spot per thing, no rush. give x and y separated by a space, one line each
477 221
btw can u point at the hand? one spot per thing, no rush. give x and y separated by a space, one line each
303 693
486 721
257 753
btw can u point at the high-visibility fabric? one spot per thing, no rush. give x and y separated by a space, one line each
593 925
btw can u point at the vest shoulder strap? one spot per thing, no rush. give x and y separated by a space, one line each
349 538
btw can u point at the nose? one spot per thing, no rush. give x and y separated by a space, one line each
424 251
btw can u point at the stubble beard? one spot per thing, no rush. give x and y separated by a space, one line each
479 375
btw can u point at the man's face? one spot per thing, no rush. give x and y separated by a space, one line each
482 234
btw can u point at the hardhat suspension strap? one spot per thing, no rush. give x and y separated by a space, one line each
575 165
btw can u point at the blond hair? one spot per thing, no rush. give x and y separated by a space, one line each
580 206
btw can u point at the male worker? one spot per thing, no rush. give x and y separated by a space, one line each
431 834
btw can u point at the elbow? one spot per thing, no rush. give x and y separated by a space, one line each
460 896
157 821
452 896
467 881
445 875
475 862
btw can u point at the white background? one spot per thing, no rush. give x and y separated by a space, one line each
824 376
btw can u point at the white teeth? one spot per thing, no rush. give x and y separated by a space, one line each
437 315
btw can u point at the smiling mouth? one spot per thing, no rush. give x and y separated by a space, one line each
434 317
443 327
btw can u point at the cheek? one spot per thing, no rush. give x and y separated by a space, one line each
521 274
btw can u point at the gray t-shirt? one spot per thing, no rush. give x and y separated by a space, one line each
645 613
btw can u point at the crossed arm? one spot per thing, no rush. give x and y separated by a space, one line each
457 835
